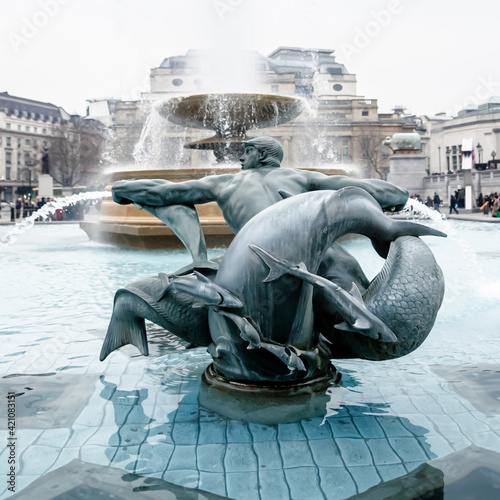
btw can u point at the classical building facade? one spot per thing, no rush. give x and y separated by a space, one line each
338 127
442 138
27 127
30 131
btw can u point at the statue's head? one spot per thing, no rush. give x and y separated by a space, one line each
261 152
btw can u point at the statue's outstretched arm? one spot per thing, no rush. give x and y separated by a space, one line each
388 195
160 192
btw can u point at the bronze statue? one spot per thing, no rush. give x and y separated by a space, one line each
285 298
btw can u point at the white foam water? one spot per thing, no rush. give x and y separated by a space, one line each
49 209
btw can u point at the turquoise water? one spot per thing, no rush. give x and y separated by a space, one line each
140 416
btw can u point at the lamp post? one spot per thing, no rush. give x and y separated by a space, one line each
479 152
439 155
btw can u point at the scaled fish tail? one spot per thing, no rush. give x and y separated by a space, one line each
124 329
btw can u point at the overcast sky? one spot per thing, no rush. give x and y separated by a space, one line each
428 55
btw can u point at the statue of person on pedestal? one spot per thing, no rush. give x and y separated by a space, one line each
45 162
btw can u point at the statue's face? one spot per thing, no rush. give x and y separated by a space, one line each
251 158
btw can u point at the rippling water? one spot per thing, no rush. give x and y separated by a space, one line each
140 415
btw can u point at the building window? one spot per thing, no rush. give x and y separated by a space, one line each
44 144
19 158
19 128
19 143
364 113
337 87
275 89
345 147
8 157
8 126
27 128
44 130
35 129
177 82
27 142
7 141
7 173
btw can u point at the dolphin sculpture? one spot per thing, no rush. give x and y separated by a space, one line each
298 229
184 222
286 329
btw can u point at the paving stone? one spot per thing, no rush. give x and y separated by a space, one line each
354 452
368 427
382 452
53 437
336 483
438 445
210 457
393 427
343 428
316 428
237 432
326 453
268 455
213 482
95 455
240 457
37 459
304 483
409 449
262 432
183 458
212 432
389 472
365 477
273 485
295 454
291 432
238 485
185 433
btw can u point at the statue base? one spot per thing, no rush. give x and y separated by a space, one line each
266 403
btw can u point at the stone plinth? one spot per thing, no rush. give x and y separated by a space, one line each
408 170
45 186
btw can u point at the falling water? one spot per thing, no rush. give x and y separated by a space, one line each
418 210
49 209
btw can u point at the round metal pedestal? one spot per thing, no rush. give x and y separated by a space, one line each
266 403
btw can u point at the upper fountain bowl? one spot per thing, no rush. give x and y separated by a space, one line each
231 115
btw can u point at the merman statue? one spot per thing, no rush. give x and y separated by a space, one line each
286 297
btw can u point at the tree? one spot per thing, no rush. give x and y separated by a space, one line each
75 151
371 153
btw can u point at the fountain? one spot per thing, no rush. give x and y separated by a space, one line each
285 298
426 423
230 116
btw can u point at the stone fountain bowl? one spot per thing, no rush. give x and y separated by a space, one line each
231 115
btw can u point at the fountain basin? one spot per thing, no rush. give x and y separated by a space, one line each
129 226
141 416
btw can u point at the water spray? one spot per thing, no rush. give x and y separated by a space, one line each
48 209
